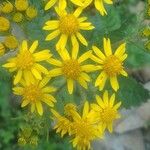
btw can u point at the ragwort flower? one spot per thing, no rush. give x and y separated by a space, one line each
35 93
69 25
85 128
106 110
72 68
111 64
26 63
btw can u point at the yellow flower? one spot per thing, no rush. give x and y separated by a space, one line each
85 129
11 42
69 26
99 4
61 3
72 68
26 63
21 5
4 24
62 124
6 7
106 110
17 17
111 64
35 93
31 12
2 49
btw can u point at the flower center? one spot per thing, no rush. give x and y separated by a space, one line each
71 69
32 93
108 115
25 60
112 66
69 24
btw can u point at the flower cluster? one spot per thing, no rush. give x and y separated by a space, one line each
33 69
19 10
91 124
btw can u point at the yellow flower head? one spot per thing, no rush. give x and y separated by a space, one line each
84 128
31 12
61 4
6 7
26 63
69 26
17 17
111 64
106 110
72 68
62 124
2 49
4 24
99 4
11 42
21 5
35 93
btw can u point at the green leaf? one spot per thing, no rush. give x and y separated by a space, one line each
137 55
132 93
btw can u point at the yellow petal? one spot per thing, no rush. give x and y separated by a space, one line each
85 56
39 107
61 44
114 83
81 39
85 76
32 107
124 73
25 103
112 100
120 50
77 12
98 52
50 4
64 54
36 74
85 109
62 4
100 7
55 62
18 77
55 72
75 50
18 90
102 77
100 101
34 46
70 85
90 68
105 98
42 55
107 47
48 102
40 68
82 82
52 35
